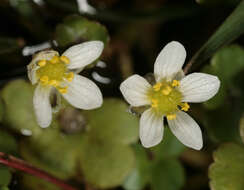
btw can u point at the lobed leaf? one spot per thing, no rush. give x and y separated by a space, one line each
227 171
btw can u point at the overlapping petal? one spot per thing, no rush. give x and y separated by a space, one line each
151 129
135 89
169 61
83 54
199 87
42 106
83 93
186 130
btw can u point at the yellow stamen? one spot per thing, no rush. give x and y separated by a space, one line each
154 103
185 106
54 59
175 83
157 86
44 80
171 116
70 76
65 59
166 90
54 83
42 63
63 90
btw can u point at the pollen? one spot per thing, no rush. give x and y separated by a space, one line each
175 83
54 83
166 90
70 76
63 90
171 116
154 103
165 99
55 59
42 63
157 86
54 72
185 106
65 59
44 80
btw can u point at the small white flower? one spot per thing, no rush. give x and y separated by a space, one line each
52 72
168 97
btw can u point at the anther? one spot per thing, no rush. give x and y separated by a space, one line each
54 59
70 76
65 59
157 86
185 106
171 116
154 103
54 83
175 83
42 63
44 80
166 90
63 90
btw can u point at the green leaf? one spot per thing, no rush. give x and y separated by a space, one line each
4 188
5 176
228 62
7 143
140 175
112 122
77 28
19 114
169 147
29 182
1 109
242 128
105 164
231 29
52 152
167 174
227 171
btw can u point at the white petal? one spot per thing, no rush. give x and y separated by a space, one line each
83 54
31 72
83 93
169 61
186 130
44 55
32 67
134 90
84 7
199 87
151 129
42 106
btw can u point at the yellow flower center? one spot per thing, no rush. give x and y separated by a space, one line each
53 72
166 99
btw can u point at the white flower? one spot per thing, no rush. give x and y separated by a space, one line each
52 72
168 97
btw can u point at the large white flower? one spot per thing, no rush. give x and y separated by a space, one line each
54 73
168 97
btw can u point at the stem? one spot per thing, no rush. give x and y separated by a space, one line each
189 64
21 165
